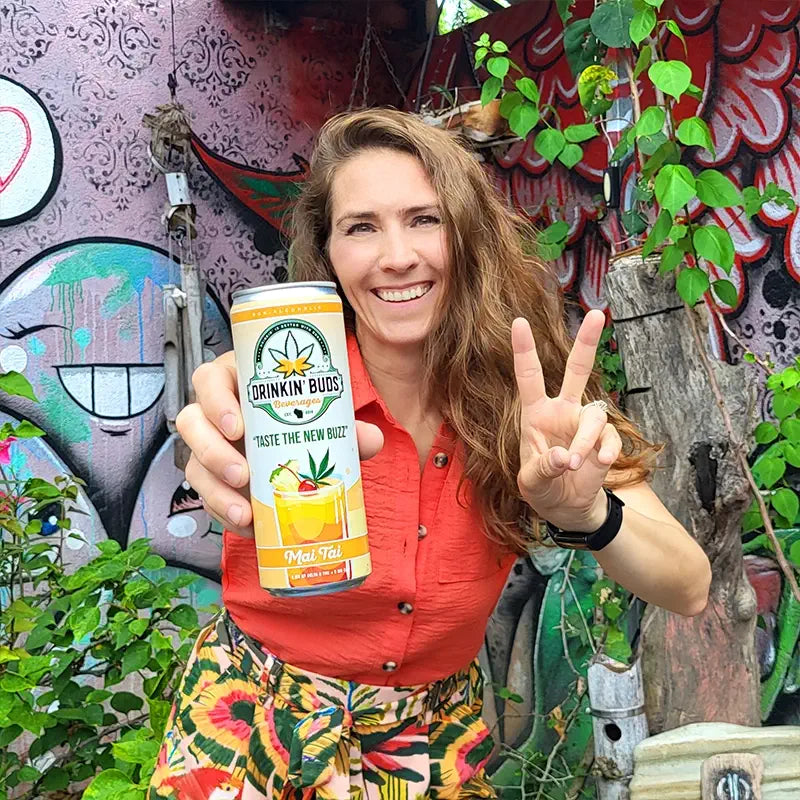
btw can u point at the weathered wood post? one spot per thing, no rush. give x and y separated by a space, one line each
618 723
699 668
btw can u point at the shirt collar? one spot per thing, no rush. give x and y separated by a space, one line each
363 391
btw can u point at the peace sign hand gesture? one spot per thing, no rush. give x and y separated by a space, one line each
566 449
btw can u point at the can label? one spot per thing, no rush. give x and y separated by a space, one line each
305 478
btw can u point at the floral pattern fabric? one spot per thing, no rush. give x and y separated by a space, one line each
246 726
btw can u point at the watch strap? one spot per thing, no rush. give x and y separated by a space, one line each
595 540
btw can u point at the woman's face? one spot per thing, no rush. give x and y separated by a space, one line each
388 245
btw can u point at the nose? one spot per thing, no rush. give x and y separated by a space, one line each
397 251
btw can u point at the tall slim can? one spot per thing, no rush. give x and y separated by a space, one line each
300 439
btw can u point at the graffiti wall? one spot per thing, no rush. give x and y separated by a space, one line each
84 257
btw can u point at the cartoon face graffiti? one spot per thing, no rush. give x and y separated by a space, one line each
84 322
169 512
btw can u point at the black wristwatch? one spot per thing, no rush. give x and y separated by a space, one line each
597 540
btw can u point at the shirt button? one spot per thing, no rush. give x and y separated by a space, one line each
405 608
389 666
422 532
440 460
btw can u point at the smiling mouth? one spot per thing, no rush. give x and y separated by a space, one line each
113 391
405 294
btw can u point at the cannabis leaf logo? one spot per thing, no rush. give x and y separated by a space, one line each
292 361
320 472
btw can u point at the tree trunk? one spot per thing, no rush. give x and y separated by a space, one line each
699 668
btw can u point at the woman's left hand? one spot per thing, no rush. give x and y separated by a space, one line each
566 449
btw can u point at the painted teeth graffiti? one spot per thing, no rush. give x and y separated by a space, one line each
119 391
64 315
30 156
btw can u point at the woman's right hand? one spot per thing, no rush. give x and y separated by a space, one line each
212 428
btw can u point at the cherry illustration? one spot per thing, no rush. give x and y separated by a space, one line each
307 486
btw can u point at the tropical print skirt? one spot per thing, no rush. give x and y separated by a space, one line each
246 726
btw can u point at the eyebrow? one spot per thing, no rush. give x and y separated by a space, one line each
369 215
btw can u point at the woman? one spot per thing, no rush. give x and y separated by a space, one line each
474 427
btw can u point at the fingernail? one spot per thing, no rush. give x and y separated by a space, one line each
233 474
229 424
235 514
575 461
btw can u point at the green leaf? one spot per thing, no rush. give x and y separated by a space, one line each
98 696
136 751
695 131
480 54
184 616
786 503
784 404
677 232
672 77
768 471
83 621
670 258
498 66
675 187
659 233
790 377
125 702
91 714
794 554
138 626
651 121
580 133
765 433
716 190
570 155
668 153
26 430
563 7
792 454
714 244
623 145
726 292
672 27
490 90
509 102
691 284
553 233
499 47
790 428
56 780
634 222
655 3
107 785
751 521
650 144
14 383
642 25
643 62
695 91
154 562
135 657
159 715
549 143
28 773
580 45
523 118
610 22
528 89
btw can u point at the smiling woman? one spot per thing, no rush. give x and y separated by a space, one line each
474 422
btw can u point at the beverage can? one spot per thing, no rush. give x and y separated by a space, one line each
300 439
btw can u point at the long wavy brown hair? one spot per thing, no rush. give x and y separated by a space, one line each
468 360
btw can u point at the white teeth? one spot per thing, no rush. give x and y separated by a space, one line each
405 294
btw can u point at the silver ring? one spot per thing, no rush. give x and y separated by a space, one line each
601 404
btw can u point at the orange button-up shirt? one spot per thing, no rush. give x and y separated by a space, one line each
436 577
